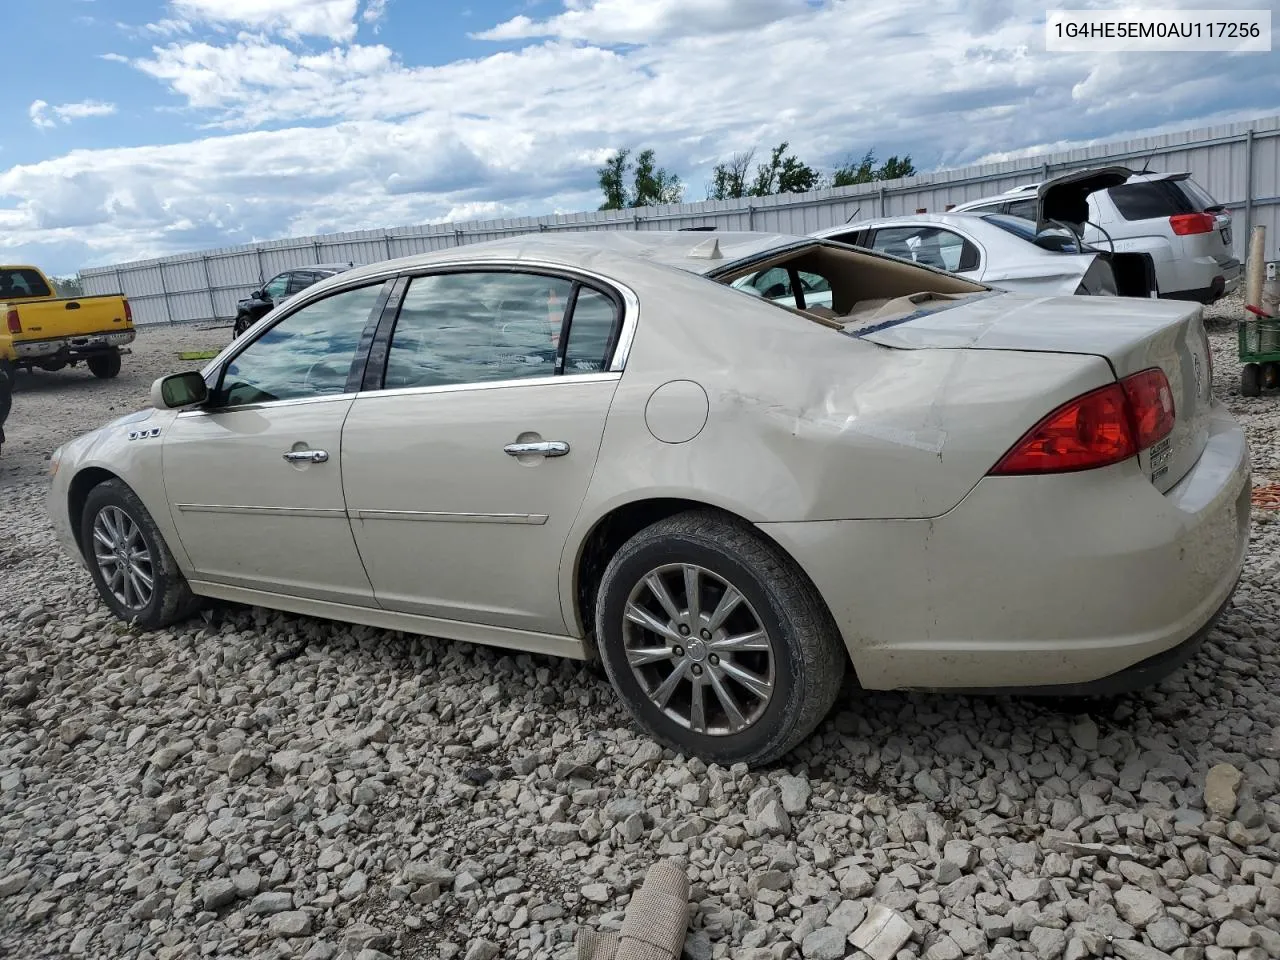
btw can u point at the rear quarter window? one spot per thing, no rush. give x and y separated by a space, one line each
1151 200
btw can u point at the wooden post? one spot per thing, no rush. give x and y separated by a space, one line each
1254 267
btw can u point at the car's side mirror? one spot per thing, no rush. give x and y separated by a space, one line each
259 294
179 390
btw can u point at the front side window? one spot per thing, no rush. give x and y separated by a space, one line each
309 353
277 287
928 245
300 280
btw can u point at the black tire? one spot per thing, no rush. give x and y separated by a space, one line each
104 366
808 656
171 599
1251 380
243 323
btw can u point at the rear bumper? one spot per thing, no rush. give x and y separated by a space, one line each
72 346
1081 581
1215 280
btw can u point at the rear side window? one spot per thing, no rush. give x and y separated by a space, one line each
591 330
1153 199
21 282
928 245
1022 208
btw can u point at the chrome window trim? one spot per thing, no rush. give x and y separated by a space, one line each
602 377
302 299
267 405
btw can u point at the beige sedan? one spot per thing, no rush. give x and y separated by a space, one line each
594 444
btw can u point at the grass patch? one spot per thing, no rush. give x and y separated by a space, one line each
198 354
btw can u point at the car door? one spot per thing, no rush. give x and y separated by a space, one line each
466 463
254 478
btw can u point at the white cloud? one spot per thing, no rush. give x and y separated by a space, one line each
338 136
46 117
334 19
644 21
38 111
374 12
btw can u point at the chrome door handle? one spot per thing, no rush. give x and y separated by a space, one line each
307 456
544 448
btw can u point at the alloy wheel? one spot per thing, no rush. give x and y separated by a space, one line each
123 558
699 650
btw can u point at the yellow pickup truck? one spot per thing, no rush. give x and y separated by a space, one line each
50 332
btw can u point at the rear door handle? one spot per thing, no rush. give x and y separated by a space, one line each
307 456
544 448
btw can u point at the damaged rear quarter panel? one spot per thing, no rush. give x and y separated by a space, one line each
807 423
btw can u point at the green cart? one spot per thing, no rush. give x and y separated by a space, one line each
1259 352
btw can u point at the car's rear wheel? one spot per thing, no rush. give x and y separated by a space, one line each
132 567
716 641
243 321
1251 380
104 366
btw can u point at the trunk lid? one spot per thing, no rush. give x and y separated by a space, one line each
1065 199
1131 334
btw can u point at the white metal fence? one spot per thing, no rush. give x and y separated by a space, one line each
1239 164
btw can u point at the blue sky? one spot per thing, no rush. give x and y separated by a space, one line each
135 128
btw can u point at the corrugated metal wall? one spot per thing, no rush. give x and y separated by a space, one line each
1239 164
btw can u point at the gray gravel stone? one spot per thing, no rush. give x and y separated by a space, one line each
291 923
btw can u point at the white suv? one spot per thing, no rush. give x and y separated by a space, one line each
1167 215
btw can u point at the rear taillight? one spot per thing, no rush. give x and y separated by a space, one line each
128 312
1185 224
1150 405
14 322
1102 427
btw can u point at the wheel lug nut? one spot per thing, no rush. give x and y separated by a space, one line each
714 660
678 651
697 670
684 629
706 634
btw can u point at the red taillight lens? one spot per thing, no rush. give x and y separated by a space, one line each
128 312
14 323
1184 224
1150 405
1102 427
1091 431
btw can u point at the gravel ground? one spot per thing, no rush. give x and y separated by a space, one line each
263 785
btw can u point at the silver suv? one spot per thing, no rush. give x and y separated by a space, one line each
1169 216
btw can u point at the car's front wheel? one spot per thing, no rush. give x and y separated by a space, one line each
243 322
132 567
716 641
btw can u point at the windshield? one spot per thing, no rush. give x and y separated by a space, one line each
1053 239
17 282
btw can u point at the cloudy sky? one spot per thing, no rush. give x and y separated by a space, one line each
136 128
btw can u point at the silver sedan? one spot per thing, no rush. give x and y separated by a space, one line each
1005 251
595 446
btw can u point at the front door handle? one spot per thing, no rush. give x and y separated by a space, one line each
542 448
307 456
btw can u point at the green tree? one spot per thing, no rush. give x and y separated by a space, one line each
613 180
783 174
68 286
855 171
895 169
653 184
729 179
649 184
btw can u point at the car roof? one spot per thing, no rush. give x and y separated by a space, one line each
951 218
610 251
